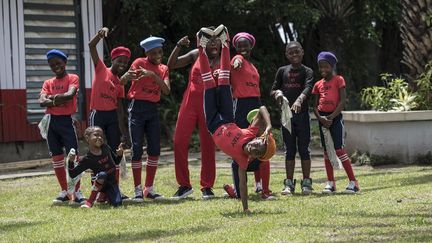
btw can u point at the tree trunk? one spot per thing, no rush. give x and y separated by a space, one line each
416 36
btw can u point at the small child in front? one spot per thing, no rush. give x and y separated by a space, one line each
330 98
243 145
102 161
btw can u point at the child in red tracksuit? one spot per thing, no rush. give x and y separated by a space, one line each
243 145
330 98
149 79
59 96
190 115
246 92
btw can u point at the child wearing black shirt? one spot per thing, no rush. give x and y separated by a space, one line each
102 161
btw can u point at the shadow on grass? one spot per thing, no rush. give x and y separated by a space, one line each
420 214
152 234
17 225
240 214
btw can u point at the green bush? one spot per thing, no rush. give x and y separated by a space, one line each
395 95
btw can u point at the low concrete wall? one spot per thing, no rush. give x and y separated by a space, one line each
401 135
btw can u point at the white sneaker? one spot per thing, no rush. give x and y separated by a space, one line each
62 197
258 187
150 193
138 194
352 188
79 198
204 36
306 186
222 33
329 188
289 187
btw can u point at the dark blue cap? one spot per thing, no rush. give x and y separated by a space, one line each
56 53
151 43
328 57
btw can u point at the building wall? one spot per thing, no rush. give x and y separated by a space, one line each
28 28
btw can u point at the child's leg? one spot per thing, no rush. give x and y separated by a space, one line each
337 132
265 175
235 175
136 130
113 194
208 161
98 184
290 151
152 131
225 100
303 141
184 128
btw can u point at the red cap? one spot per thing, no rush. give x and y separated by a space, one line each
120 51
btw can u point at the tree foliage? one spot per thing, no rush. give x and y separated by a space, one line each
363 34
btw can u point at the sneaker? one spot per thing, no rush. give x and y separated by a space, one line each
203 36
79 198
222 33
289 187
306 186
138 194
124 197
62 197
258 187
330 188
182 192
266 196
86 205
207 193
230 192
150 193
352 188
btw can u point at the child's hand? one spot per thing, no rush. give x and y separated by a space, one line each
279 97
142 73
103 32
120 150
296 107
184 42
325 121
237 64
216 73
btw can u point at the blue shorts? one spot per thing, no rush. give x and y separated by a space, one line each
242 106
299 138
61 134
336 131
144 121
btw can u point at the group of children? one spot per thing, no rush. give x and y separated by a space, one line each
222 98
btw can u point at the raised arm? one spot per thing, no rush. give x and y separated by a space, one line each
263 121
92 44
243 189
174 61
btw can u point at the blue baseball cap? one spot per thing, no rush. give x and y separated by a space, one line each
56 53
151 43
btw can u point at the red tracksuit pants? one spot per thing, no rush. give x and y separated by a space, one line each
190 115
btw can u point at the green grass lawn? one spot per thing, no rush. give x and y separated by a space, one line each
395 204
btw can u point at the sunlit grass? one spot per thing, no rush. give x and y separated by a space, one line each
395 204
